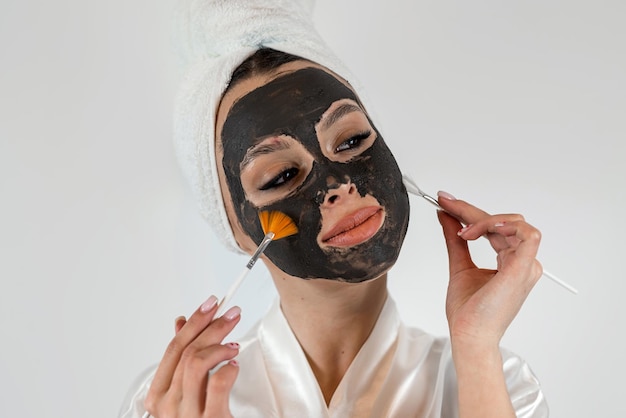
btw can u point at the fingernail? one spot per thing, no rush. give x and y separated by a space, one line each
464 229
234 346
445 195
232 313
234 363
208 305
179 319
498 224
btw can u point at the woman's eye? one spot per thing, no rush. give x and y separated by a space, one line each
281 179
353 142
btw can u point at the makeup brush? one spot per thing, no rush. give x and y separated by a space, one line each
413 188
275 225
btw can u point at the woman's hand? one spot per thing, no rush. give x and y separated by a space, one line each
181 386
482 303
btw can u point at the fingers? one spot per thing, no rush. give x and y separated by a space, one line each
517 255
518 233
509 234
463 211
525 240
219 328
203 354
180 383
219 387
196 364
481 303
198 321
527 236
459 257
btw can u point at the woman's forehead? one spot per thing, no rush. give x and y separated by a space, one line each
291 104
249 85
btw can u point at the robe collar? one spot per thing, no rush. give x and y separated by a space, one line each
294 384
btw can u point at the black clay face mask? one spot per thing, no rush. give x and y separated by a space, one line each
292 106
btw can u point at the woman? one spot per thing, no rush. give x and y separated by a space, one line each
289 133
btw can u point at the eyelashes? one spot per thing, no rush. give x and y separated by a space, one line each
281 179
353 142
350 147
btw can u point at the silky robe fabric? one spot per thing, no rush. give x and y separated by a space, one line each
399 372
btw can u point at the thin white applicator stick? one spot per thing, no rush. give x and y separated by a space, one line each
414 189
559 281
233 288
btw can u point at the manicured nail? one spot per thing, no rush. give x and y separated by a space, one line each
208 305
234 346
499 224
464 229
232 313
234 363
445 195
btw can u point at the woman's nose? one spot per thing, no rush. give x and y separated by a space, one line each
337 192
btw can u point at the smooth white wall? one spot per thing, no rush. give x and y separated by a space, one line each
514 106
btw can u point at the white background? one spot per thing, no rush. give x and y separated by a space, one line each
516 106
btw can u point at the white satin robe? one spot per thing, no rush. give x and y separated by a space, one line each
399 372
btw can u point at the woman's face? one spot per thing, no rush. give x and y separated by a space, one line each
301 143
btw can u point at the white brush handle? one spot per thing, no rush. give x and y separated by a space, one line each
231 292
560 282
233 288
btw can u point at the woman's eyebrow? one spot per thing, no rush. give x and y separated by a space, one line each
338 113
263 148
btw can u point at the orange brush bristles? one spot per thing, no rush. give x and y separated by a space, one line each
277 222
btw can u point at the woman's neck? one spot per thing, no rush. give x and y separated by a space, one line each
331 320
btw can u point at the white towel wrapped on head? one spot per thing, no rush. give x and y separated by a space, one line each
214 37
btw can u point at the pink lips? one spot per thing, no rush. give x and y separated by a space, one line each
355 228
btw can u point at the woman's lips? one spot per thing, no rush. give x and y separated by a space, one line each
355 228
